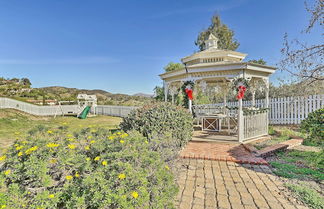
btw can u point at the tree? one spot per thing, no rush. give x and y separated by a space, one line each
173 66
25 82
259 61
221 31
303 61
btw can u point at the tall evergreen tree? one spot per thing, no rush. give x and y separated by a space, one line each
222 32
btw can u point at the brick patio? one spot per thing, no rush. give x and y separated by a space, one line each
212 184
233 152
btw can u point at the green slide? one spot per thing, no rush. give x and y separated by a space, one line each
85 112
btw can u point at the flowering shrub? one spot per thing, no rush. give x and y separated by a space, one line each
166 125
89 169
313 126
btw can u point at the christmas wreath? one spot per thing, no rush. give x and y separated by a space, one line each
240 85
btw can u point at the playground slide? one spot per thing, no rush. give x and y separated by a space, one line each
85 112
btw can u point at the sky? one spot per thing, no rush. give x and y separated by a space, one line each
122 46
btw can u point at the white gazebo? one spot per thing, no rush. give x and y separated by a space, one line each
214 66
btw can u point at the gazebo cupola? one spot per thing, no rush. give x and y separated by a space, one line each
211 42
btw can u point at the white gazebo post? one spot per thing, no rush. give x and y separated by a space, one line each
173 90
240 121
165 84
266 82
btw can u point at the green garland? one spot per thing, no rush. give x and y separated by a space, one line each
253 112
246 111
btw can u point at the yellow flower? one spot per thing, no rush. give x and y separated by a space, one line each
118 133
167 167
19 147
20 154
111 137
87 147
135 195
121 176
65 123
24 142
53 161
71 146
7 172
52 145
122 141
16 145
69 178
92 141
3 206
69 135
51 196
124 135
49 131
97 158
30 150
146 142
3 157
104 163
77 175
89 137
70 139
88 159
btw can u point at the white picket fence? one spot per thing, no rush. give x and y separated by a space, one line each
35 109
118 111
287 110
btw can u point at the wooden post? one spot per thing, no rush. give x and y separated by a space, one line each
240 122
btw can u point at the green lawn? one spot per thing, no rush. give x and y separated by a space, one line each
303 170
278 134
14 124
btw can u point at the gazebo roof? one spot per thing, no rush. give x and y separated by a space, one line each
216 63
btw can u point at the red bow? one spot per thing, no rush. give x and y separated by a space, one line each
189 93
240 94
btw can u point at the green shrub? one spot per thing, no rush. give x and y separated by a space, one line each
309 196
163 124
271 130
313 126
89 169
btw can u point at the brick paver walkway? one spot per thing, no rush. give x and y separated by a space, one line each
214 184
220 151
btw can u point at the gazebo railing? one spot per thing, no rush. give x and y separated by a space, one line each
255 125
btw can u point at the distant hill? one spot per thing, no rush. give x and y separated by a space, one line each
143 95
21 89
104 97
